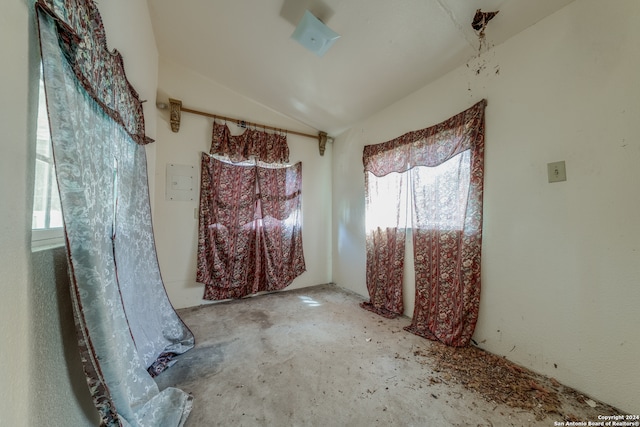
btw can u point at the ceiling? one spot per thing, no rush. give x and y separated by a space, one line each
387 49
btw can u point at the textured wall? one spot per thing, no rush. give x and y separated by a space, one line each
561 262
56 369
16 170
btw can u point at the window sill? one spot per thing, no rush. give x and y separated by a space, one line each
42 240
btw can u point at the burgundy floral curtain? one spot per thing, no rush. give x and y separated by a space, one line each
251 144
445 166
250 234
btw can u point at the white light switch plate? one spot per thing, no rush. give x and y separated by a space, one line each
557 171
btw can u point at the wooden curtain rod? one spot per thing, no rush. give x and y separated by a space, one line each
177 109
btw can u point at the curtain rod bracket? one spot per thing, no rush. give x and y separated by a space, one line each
322 142
176 108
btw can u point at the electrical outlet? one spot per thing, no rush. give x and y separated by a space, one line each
557 171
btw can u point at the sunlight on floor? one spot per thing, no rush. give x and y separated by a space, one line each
310 301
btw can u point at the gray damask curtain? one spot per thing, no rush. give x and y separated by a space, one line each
124 320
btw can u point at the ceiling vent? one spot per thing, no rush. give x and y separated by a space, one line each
313 34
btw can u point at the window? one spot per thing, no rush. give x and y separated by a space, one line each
388 202
47 215
441 191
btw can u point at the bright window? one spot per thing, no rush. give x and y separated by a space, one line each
47 216
388 202
440 191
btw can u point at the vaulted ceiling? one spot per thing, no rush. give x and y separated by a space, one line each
387 49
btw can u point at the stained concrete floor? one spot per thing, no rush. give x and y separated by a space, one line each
313 357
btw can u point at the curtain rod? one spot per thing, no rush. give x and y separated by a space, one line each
176 109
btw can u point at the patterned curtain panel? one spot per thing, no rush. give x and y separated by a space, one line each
250 234
386 219
445 167
123 318
251 144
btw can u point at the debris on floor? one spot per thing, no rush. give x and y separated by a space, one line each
498 380
316 367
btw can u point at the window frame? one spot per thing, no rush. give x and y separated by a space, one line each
47 237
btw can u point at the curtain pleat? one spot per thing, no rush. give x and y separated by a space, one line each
226 239
251 144
279 192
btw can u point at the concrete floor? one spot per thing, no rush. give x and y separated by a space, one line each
313 357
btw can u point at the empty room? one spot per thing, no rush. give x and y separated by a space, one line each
320 212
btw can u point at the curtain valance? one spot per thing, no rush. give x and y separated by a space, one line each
83 41
426 147
251 144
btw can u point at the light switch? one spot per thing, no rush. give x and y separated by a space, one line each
556 171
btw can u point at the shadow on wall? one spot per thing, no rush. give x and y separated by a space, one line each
59 392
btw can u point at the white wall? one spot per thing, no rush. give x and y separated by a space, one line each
15 168
175 224
561 262
41 375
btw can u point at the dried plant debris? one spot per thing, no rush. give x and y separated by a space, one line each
498 380
495 378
